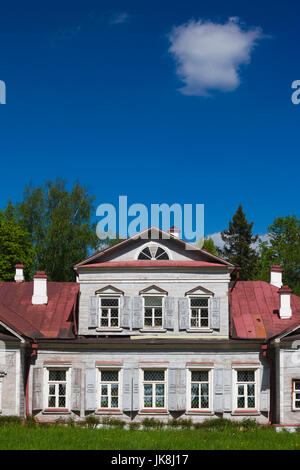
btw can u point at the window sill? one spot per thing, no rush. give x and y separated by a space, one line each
153 330
199 412
110 411
154 411
245 412
64 411
199 330
103 330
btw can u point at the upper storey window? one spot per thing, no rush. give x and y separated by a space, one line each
153 252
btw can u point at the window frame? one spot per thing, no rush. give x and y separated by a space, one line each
189 382
158 245
153 327
109 296
294 391
99 383
256 370
199 296
47 383
153 409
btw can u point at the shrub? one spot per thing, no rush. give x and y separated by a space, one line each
4 420
30 421
150 423
60 421
91 421
71 422
118 423
185 423
134 426
174 423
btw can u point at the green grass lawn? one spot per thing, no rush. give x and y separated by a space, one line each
19 437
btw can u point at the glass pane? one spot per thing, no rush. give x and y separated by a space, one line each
57 375
62 402
148 321
204 313
148 390
195 389
297 385
145 254
104 390
161 254
245 375
51 402
154 375
250 389
104 313
199 302
114 313
241 402
297 404
51 389
148 402
114 390
241 390
251 402
114 402
204 322
104 322
114 322
160 389
200 376
204 401
159 402
109 376
109 302
204 389
153 301
104 402
62 389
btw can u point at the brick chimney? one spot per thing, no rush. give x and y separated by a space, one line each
285 310
19 276
175 231
40 288
276 276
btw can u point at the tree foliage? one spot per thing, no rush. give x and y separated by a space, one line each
238 245
15 245
60 226
211 247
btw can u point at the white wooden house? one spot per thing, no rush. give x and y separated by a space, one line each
153 327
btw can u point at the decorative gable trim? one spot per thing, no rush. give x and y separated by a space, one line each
153 290
109 290
199 290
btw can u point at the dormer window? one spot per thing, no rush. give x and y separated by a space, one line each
153 252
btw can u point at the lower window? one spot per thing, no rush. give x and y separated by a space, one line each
246 389
200 389
109 389
296 394
57 388
154 389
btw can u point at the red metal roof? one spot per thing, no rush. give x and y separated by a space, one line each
52 320
254 310
153 264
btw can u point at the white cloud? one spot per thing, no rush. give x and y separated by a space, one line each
120 18
209 55
217 239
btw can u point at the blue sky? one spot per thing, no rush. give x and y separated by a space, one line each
94 92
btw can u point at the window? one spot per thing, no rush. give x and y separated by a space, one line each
199 312
154 389
296 394
153 311
153 252
109 312
200 389
246 389
57 388
109 389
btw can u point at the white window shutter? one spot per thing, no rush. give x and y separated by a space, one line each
227 390
168 314
76 390
125 311
138 314
136 389
172 390
127 390
181 389
184 313
37 398
215 313
93 311
90 389
218 390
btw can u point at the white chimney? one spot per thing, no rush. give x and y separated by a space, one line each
40 288
19 276
175 231
285 310
276 276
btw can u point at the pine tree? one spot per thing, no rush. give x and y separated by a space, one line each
238 248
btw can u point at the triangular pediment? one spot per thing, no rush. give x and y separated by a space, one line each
200 291
153 290
109 290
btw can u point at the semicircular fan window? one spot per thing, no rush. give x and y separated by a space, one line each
153 252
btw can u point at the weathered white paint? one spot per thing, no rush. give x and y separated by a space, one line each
39 291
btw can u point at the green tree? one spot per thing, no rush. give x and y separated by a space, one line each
15 245
238 248
60 226
283 248
210 246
